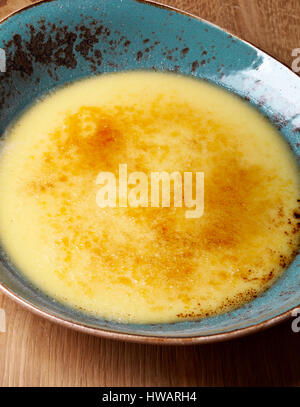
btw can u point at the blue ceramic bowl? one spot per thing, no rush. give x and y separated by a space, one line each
58 41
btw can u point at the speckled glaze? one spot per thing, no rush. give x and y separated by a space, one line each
58 41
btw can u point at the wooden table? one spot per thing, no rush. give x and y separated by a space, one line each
35 352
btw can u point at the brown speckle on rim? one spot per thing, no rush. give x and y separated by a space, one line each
184 51
88 40
20 61
279 121
139 56
195 66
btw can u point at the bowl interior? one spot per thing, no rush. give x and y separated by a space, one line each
58 41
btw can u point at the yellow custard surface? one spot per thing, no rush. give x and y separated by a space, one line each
147 265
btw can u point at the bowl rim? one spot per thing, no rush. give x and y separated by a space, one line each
140 338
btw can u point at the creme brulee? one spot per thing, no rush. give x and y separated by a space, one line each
147 265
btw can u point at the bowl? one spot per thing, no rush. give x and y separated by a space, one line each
55 42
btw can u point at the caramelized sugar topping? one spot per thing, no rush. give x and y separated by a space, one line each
239 202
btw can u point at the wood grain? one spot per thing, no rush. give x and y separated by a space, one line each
35 352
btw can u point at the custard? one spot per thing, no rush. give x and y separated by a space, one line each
147 264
